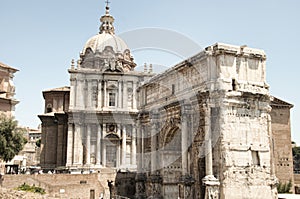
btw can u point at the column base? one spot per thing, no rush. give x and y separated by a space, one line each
211 187
156 186
186 183
140 180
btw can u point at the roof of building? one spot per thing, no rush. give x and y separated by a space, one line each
280 103
60 89
106 37
8 67
100 41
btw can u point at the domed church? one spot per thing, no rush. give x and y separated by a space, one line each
201 129
91 124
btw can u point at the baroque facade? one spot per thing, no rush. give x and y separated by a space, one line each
201 129
94 119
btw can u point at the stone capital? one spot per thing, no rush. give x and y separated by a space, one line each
155 178
186 180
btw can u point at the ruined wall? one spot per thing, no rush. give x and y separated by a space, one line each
281 133
226 139
63 185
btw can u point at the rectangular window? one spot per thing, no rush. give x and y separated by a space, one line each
173 89
112 99
255 158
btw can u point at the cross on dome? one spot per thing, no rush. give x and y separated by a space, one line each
107 21
107 3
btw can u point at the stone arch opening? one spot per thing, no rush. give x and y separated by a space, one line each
171 159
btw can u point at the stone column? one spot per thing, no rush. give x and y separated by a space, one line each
125 97
88 145
70 146
103 145
118 155
134 103
139 148
133 145
98 145
105 94
185 130
78 152
155 177
119 159
154 144
211 183
186 180
104 153
120 94
140 176
99 94
208 149
124 146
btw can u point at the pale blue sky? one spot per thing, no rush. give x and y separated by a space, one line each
41 37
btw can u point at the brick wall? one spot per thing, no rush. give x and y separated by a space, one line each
63 185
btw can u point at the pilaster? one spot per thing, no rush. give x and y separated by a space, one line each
98 145
124 146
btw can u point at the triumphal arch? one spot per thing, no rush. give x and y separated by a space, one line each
201 129
204 128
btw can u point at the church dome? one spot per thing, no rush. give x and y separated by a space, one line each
104 39
106 51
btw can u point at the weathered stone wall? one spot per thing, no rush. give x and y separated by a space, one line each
64 185
13 194
226 133
281 132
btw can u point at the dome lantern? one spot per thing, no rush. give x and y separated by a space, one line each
107 22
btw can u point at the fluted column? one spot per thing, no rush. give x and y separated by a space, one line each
124 146
88 145
70 146
98 145
133 145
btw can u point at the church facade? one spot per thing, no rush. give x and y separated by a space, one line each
201 129
93 120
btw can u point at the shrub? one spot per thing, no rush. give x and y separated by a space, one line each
33 188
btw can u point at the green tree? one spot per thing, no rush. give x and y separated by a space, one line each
38 143
12 138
